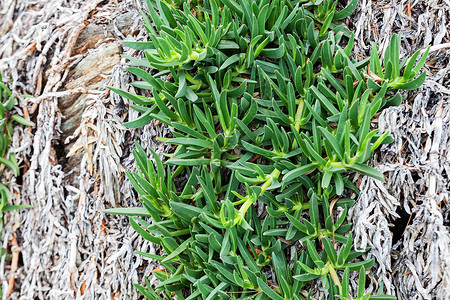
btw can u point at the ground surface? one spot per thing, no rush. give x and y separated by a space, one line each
64 53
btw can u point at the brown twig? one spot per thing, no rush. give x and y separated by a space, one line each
403 146
15 261
375 29
415 203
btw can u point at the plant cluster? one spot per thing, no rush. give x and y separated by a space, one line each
271 119
7 158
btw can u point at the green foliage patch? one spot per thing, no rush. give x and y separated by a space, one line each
7 158
271 120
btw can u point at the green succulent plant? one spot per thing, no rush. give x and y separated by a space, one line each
7 158
268 109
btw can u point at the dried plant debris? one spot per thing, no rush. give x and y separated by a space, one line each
9 167
38 49
416 163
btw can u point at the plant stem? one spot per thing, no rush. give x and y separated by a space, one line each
335 277
191 79
244 208
298 114
274 175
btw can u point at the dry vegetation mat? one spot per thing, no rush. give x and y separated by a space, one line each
70 249
9 164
